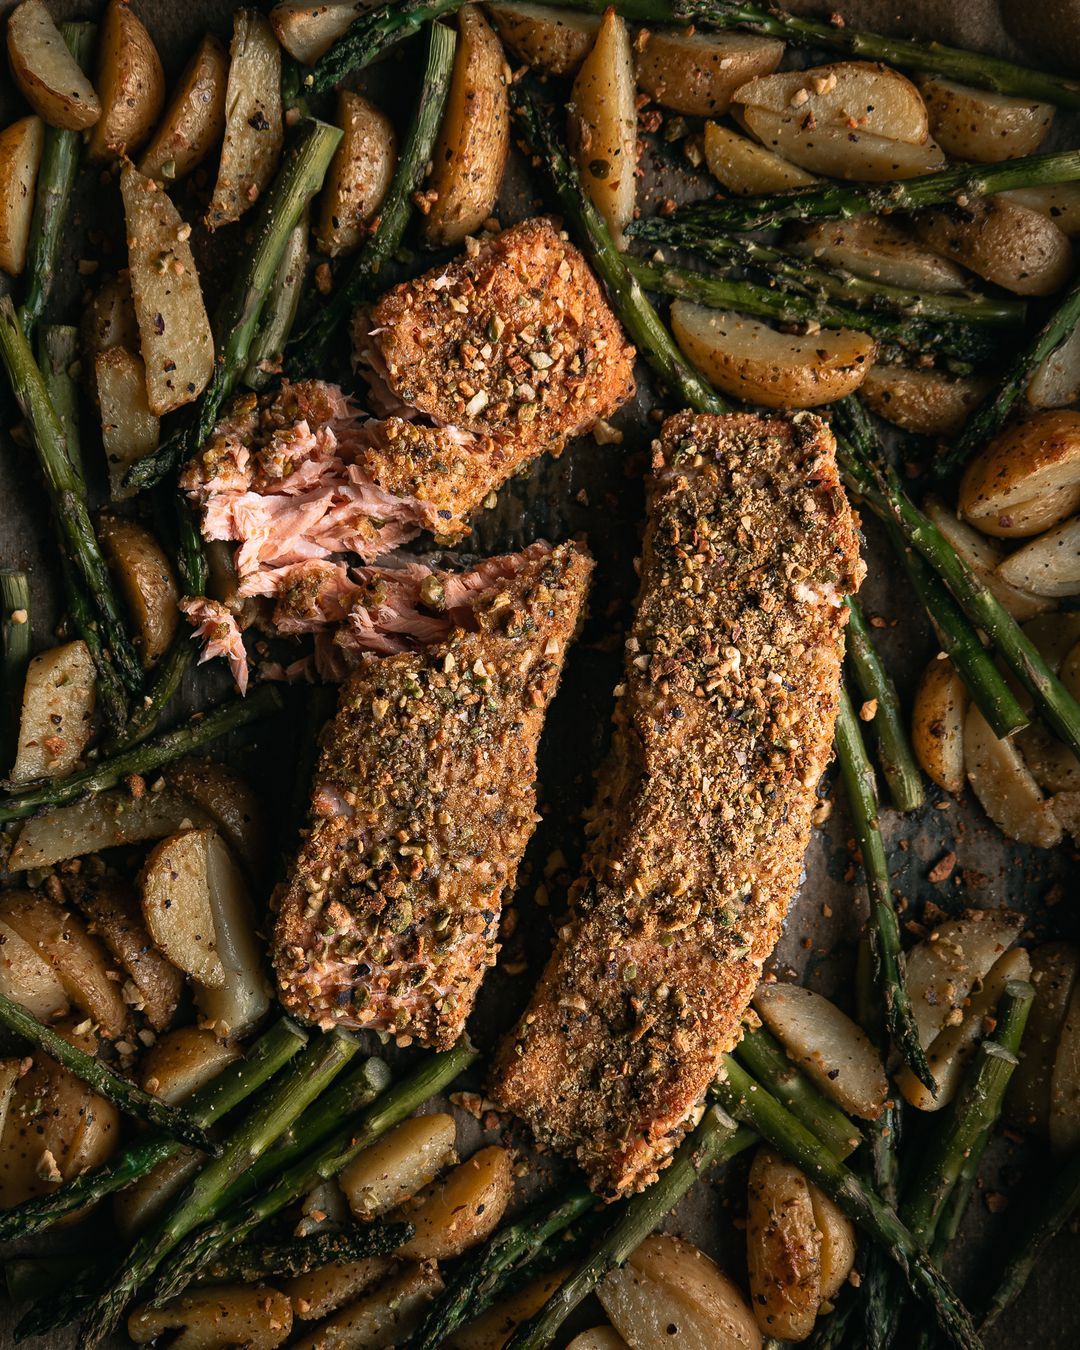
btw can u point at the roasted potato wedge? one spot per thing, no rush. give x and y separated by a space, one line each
834 150
174 331
21 145
107 321
254 125
57 712
875 247
746 168
254 1316
827 1045
474 139
385 1318
698 73
1005 787
975 124
129 430
462 1209
28 979
45 70
130 83
235 1006
555 41
924 401
783 1248
308 30
183 1061
669 1293
602 125
194 121
1027 479
138 1205
837 1242
983 556
937 725
10 1070
945 966
1048 565
327 1288
1005 243
1059 201
598 1338
1064 1120
176 906
493 1329
392 1170
859 96
359 174
1056 381
227 799
754 362
1054 968
145 578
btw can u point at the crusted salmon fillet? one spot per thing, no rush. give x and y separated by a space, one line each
722 729
424 800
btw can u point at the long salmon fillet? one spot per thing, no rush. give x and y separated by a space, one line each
723 726
424 800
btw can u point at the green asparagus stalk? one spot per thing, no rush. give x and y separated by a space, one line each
111 698
277 214
146 757
66 489
764 1056
372 35
234 1225
285 1260
302 1082
482 1276
106 1082
52 197
716 1139
858 775
853 199
57 352
309 351
876 685
15 638
235 1084
279 312
749 1102
654 343
988 419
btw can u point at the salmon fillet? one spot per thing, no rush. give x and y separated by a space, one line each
723 726
423 803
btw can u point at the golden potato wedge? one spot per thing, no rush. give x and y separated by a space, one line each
698 73
57 712
827 1045
28 979
1056 381
130 83
145 578
234 1007
254 125
21 145
137 1206
1005 243
1049 564
464 1208
975 124
227 799
392 1170
753 362
107 321
1064 1120
322 1291
783 1248
1059 201
474 139
555 41
746 168
176 906
254 1316
859 96
308 30
983 555
876 247
598 1338
129 430
45 70
946 965
174 331
182 1061
194 121
1027 479
831 149
670 1293
359 175
937 724
924 401
837 1241
602 125
1005 787
492 1329
385 1318
1054 968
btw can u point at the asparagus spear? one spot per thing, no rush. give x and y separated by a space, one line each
66 489
57 352
52 196
284 1260
853 199
279 312
716 1139
765 1058
106 1082
209 1104
234 1225
15 635
482 1275
748 1101
988 419
299 178
877 686
310 350
373 34
111 697
884 929
640 320
302 1082
145 758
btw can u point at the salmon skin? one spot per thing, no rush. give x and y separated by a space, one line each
723 726
424 801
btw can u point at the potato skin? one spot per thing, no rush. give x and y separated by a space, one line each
130 83
145 578
834 150
464 1208
972 124
783 1248
1001 241
46 72
923 401
359 175
21 145
602 125
698 73
552 40
746 168
1027 479
194 122
937 725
